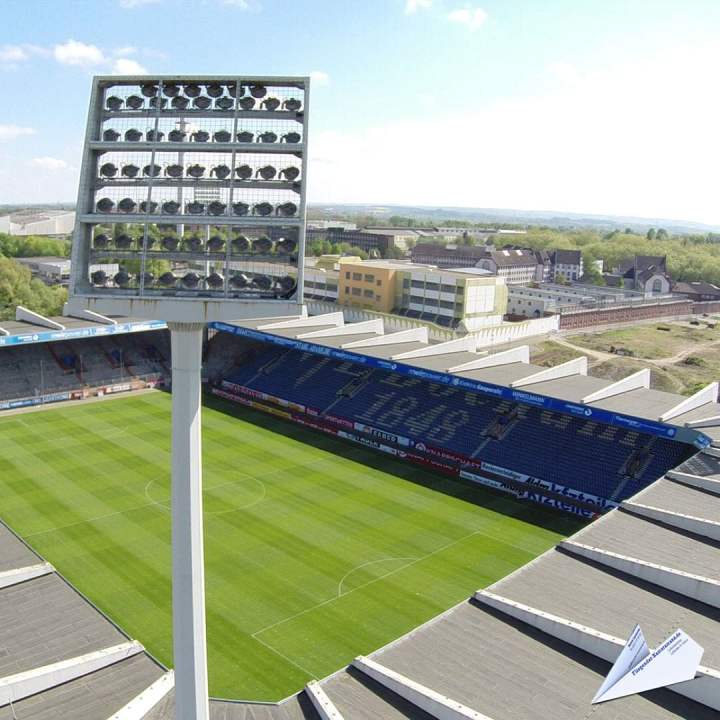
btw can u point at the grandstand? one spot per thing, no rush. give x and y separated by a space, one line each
536 644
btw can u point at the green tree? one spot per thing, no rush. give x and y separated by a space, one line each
18 287
650 234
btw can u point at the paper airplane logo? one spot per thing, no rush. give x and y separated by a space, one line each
638 669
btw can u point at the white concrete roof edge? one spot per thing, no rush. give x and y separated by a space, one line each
86 314
22 574
418 334
465 343
336 318
639 379
506 357
366 326
321 702
22 314
704 396
577 366
147 699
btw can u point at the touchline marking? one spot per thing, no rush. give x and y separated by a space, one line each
286 658
365 564
369 582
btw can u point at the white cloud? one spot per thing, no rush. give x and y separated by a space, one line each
78 53
472 18
50 163
13 54
125 66
128 50
242 4
412 6
12 132
129 4
318 77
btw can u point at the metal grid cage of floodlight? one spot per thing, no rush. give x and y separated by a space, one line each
195 186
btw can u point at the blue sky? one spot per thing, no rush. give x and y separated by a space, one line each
604 106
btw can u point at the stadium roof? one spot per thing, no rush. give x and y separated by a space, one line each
30 327
567 388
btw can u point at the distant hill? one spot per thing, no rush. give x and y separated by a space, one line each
489 216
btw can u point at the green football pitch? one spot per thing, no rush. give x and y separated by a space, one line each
316 550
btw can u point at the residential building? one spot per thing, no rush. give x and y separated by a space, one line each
448 256
567 265
516 266
644 273
697 291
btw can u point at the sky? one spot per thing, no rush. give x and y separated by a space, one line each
590 106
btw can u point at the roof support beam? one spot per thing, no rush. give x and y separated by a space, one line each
519 354
3 331
699 526
418 334
360 328
708 394
335 319
85 314
22 314
22 685
18 575
713 421
143 703
697 481
640 379
432 702
578 366
321 702
463 344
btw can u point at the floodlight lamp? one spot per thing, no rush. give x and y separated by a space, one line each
98 277
215 243
291 173
148 206
214 90
177 135
169 242
271 104
108 170
240 244
244 172
130 171
101 241
202 102
191 280
179 103
292 104
263 208
167 279
221 172
123 242
267 137
155 135
174 170
285 284
149 240
149 89
171 90
134 102
224 103
245 136
200 136
147 278
170 207
215 280
152 170
127 205
287 209
114 103
267 172
133 135
262 245
222 136
158 102
192 90
121 279
111 135
105 205
247 103
196 171
239 281
262 282
195 208
286 246
291 137
194 243
240 208
258 91
217 208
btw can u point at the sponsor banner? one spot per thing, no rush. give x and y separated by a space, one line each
496 484
598 414
251 403
367 442
265 397
76 333
118 388
29 402
382 434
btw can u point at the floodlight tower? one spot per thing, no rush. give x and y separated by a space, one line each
131 210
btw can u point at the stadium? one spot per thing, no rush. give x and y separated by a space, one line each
394 529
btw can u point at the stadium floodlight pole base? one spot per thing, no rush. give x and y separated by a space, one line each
188 570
